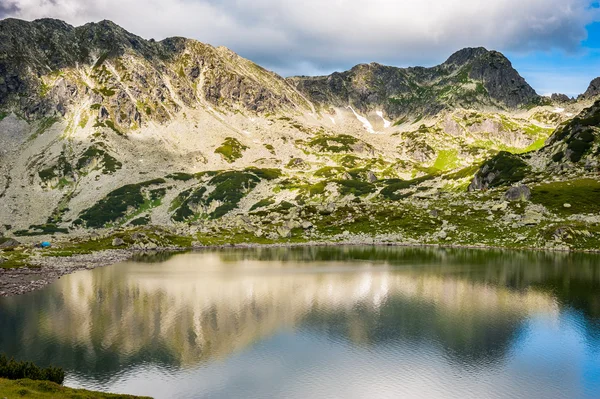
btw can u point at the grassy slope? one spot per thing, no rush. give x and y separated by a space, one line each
48 390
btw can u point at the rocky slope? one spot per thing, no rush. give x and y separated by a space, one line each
572 151
103 130
472 77
593 89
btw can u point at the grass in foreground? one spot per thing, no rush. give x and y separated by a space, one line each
583 196
49 390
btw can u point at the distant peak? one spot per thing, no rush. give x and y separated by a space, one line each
466 54
593 89
106 24
49 21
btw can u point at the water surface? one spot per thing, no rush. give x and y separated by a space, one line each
349 322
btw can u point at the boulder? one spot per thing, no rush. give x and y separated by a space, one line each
531 217
9 243
117 242
518 193
138 236
500 207
562 233
298 163
284 232
371 177
307 225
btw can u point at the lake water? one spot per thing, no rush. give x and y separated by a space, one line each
346 322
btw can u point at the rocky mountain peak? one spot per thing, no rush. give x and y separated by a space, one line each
471 77
593 89
48 67
466 55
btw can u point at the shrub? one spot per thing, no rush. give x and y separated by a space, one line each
115 205
16 370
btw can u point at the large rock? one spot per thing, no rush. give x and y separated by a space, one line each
307 225
531 217
518 193
284 232
9 243
371 177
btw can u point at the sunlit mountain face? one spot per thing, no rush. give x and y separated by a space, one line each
438 315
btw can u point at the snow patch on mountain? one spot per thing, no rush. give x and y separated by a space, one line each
386 123
367 125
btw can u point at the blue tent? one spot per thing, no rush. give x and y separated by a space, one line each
45 244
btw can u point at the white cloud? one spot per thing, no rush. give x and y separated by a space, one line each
294 36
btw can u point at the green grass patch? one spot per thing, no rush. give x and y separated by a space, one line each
265 173
188 200
262 204
83 121
105 91
507 169
229 189
180 176
582 194
26 388
110 124
118 203
446 160
43 126
270 148
61 170
463 173
231 149
141 221
393 186
329 171
14 259
41 229
355 187
106 162
335 144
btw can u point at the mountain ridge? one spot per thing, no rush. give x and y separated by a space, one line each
104 131
483 76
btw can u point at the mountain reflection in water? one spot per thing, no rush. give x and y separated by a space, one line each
419 319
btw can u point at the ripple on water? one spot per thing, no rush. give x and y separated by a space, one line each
321 323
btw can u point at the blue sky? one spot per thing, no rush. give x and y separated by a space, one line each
560 71
554 44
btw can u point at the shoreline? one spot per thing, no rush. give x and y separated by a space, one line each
45 270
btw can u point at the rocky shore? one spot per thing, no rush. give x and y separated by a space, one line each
45 270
